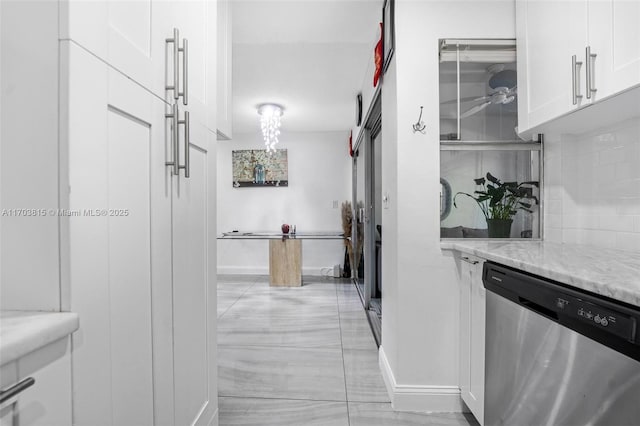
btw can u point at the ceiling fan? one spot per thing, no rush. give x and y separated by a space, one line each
503 90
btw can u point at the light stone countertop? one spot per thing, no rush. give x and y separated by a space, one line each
22 332
608 272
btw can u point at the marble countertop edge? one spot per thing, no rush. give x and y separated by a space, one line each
608 272
22 332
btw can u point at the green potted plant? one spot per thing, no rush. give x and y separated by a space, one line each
500 201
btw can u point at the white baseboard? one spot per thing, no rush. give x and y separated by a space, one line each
256 270
431 399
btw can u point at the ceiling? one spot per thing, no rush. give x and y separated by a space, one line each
308 55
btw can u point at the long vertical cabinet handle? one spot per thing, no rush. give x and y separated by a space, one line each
590 59
173 116
575 79
185 71
187 139
176 66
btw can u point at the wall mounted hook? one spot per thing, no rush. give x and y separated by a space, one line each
419 126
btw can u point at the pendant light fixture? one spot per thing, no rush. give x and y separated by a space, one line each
270 115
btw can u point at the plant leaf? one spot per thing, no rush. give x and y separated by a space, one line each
479 181
492 179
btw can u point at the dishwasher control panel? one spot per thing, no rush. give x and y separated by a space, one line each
614 322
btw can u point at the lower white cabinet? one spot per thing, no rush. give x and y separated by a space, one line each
472 334
48 401
138 253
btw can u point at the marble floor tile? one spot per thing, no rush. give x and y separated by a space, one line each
281 412
281 372
280 330
381 414
231 286
284 304
241 278
363 376
356 334
309 289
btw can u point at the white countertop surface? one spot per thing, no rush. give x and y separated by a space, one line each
22 332
608 272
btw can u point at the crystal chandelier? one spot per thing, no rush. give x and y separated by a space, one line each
270 123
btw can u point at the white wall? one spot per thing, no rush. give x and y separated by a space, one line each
420 293
592 187
319 173
29 249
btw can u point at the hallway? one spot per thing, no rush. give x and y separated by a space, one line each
302 356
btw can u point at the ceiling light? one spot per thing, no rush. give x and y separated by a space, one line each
270 123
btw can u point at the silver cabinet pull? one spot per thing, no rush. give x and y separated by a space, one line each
187 139
466 259
14 390
590 59
174 138
185 71
575 77
176 65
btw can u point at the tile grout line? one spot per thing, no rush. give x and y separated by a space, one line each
236 301
344 366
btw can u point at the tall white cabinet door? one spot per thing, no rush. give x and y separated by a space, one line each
119 239
127 34
614 37
548 34
194 309
199 28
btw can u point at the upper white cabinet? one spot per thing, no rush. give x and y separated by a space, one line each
224 76
572 54
549 35
135 37
614 39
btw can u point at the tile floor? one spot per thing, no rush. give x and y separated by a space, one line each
302 356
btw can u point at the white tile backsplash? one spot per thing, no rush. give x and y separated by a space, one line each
592 187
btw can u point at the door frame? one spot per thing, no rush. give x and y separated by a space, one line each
370 131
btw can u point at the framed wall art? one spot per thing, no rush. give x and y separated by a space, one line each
257 168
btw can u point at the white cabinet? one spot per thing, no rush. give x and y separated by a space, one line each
472 334
139 272
548 35
48 401
119 245
614 37
224 75
194 291
132 36
571 54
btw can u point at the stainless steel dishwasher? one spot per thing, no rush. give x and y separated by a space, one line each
558 356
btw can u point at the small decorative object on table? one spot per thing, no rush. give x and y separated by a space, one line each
285 228
500 201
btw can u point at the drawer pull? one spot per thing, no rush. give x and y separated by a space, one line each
16 389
